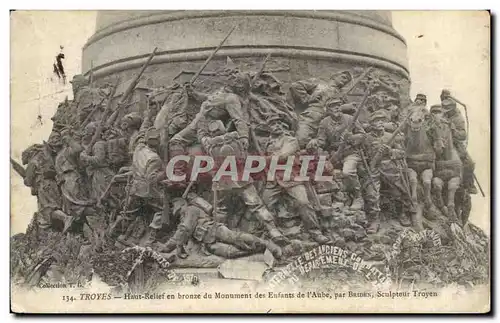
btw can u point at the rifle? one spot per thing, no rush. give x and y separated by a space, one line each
126 95
355 83
195 77
325 211
100 127
166 196
18 168
350 127
368 169
188 188
91 114
260 71
389 142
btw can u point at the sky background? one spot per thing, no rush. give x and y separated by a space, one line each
453 52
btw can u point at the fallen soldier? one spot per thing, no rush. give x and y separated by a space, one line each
216 238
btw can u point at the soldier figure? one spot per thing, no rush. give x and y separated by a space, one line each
73 185
195 223
331 133
148 172
457 126
184 107
309 96
96 163
219 145
421 100
117 149
375 144
40 176
283 144
130 125
78 83
228 104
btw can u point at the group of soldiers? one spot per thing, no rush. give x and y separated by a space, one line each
103 163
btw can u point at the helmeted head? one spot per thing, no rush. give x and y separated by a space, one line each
445 94
378 119
131 121
421 99
334 107
341 79
448 105
89 130
278 125
55 140
216 128
78 82
436 110
239 82
28 153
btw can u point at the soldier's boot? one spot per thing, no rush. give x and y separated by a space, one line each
276 235
358 202
167 247
374 224
274 249
266 217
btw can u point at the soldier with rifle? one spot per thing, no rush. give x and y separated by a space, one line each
148 173
381 150
459 133
40 176
309 97
335 135
282 145
96 162
74 186
220 144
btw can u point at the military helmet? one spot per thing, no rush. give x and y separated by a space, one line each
134 119
349 108
379 114
346 73
421 96
337 100
29 152
445 94
436 107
